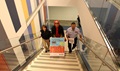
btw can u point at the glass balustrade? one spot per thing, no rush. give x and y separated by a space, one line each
20 51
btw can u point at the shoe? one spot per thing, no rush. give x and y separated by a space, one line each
73 48
46 51
70 51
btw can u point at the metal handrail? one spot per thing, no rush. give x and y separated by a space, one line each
18 45
103 61
112 51
107 43
115 3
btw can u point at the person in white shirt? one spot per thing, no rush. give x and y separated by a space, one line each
71 34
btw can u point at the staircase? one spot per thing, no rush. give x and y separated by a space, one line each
43 62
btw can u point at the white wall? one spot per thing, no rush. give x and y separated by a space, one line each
93 3
61 2
89 27
63 13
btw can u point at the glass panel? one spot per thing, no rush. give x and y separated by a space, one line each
25 46
101 51
100 10
117 1
96 47
4 44
17 56
36 43
109 60
109 18
11 59
94 62
32 46
104 68
3 64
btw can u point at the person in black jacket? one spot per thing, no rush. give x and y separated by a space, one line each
45 34
57 30
78 19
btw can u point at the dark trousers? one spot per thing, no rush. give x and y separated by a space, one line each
74 45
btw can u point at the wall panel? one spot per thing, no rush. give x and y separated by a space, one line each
13 14
4 41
